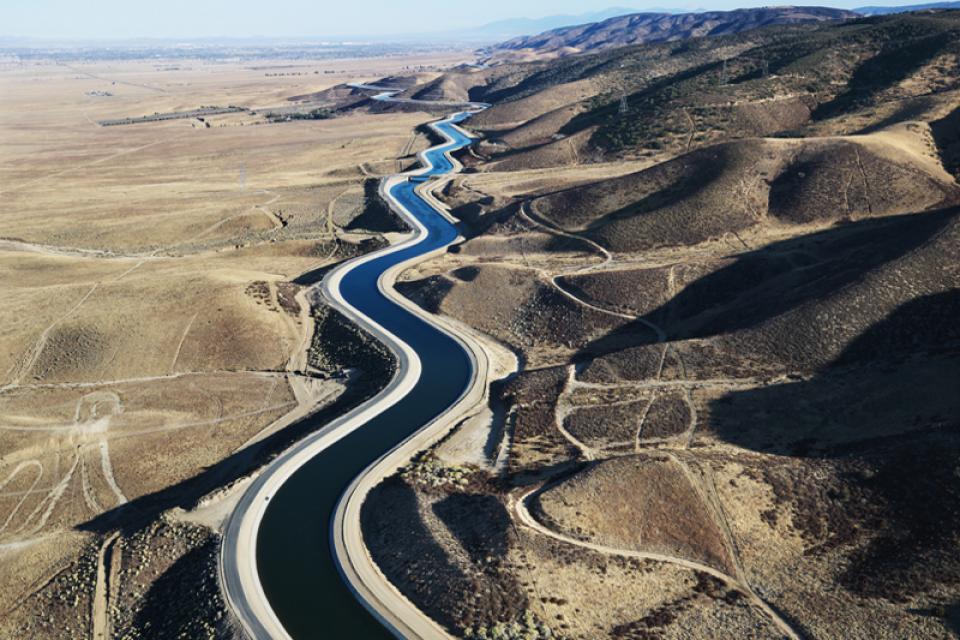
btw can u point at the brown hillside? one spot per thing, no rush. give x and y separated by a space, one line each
639 28
732 186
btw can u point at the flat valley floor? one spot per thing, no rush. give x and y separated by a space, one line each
153 341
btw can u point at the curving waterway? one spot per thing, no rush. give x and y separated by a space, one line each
294 559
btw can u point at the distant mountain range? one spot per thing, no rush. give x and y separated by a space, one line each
513 27
521 26
638 28
879 11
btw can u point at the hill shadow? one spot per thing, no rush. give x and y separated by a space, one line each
760 285
165 614
700 170
405 549
920 338
884 417
909 110
892 65
946 135
454 591
376 216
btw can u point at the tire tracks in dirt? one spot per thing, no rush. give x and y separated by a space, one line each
518 506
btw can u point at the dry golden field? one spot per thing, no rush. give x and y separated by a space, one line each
150 331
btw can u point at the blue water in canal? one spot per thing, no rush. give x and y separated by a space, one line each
294 557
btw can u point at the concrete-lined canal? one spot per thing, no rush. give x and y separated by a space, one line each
294 560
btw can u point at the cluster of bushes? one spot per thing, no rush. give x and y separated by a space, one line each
316 114
527 628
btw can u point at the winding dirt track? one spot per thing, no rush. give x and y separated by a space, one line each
524 517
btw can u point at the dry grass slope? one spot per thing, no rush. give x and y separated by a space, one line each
735 409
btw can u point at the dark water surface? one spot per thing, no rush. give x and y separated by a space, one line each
294 556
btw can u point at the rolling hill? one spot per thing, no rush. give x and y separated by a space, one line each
659 100
727 268
881 11
639 28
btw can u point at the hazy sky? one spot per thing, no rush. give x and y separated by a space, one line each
198 18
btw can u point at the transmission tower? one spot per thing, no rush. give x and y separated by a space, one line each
243 176
624 107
